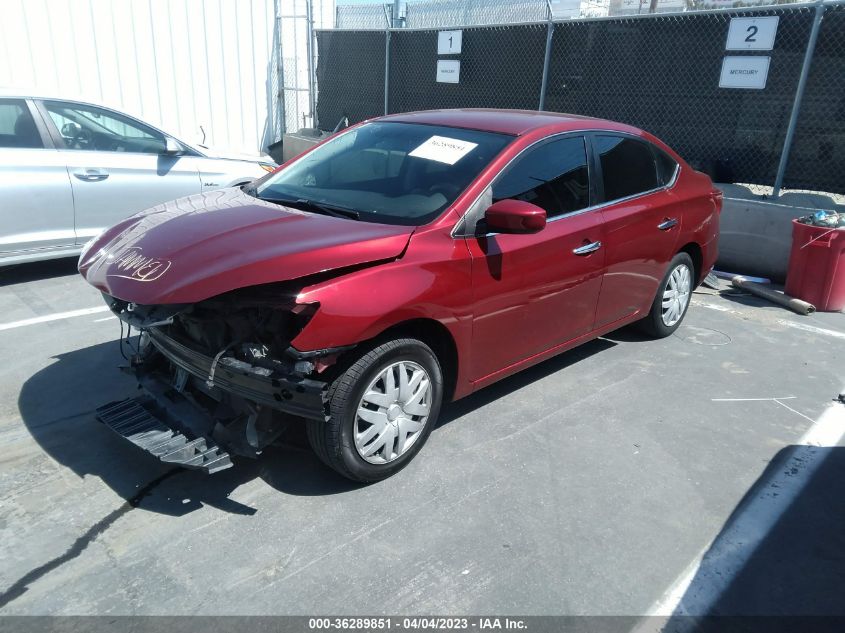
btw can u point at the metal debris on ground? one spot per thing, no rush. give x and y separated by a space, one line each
796 305
730 276
711 281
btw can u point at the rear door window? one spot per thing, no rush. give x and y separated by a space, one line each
628 166
666 166
553 176
17 127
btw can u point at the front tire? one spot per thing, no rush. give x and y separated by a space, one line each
673 298
381 410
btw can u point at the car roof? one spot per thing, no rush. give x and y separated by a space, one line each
513 122
24 93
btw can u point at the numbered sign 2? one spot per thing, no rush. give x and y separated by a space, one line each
449 42
752 34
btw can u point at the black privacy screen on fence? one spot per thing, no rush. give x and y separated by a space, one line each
662 75
818 152
501 67
659 73
350 76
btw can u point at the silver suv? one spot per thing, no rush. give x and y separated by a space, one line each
70 169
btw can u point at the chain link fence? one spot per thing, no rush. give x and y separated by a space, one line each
350 75
437 13
658 72
362 16
501 67
419 14
662 73
817 155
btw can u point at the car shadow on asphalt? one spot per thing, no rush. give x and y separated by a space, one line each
57 406
456 410
35 271
785 559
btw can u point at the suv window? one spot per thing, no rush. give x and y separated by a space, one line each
552 176
90 128
17 127
666 166
627 166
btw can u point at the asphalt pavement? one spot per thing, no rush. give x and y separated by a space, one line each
589 484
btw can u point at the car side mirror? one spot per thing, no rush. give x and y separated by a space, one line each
515 216
171 147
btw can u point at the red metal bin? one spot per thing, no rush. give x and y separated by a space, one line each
816 270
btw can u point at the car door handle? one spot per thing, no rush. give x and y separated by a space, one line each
91 175
667 224
592 247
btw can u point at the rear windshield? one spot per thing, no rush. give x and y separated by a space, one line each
387 172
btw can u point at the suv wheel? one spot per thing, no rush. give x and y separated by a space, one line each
381 410
673 298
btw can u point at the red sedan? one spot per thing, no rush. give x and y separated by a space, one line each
403 263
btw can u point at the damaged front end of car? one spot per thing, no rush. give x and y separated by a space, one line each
218 377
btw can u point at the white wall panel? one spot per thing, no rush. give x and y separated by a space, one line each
186 66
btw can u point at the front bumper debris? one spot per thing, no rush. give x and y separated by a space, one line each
288 393
136 420
218 378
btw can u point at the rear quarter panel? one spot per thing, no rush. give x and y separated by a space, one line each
702 204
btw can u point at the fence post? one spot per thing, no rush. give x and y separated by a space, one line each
799 97
387 19
550 29
309 49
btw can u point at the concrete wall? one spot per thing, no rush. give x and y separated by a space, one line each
756 232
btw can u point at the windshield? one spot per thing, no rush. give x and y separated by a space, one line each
393 173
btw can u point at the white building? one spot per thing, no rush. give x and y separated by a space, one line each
231 73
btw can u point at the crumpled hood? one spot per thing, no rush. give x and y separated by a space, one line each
201 246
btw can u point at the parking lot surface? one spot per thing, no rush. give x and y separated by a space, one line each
588 484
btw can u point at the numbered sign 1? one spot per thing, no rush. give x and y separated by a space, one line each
449 42
752 34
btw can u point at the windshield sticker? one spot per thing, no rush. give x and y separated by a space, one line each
444 149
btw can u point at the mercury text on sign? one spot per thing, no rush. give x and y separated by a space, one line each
744 72
448 71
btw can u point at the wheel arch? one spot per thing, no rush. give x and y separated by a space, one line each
438 337
694 251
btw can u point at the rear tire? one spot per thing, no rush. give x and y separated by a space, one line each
381 411
672 299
